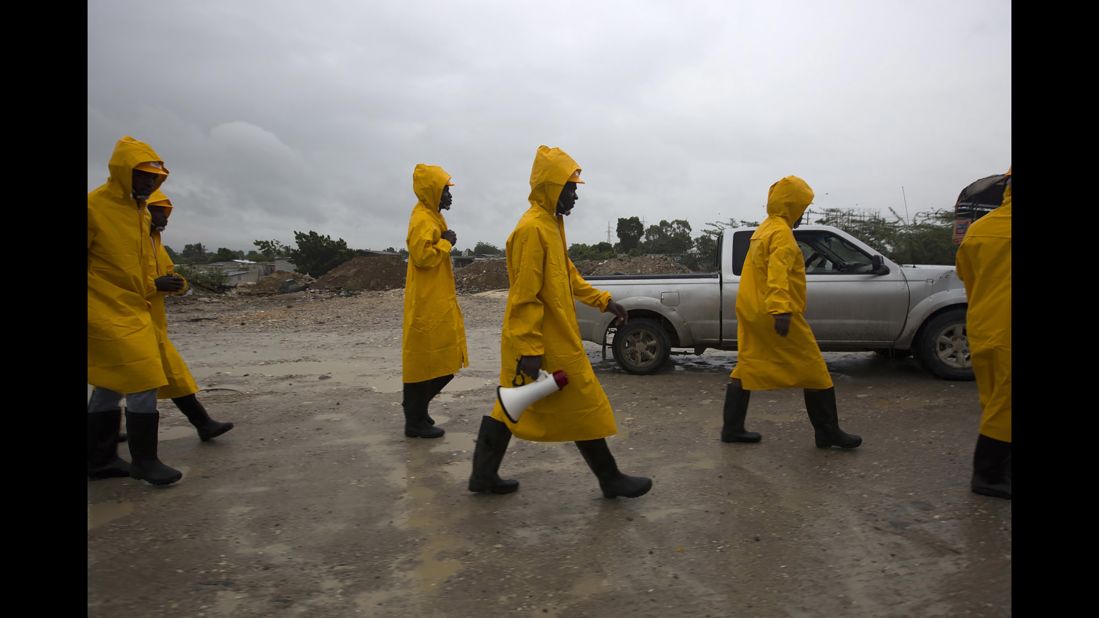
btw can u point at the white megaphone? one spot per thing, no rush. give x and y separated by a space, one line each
516 399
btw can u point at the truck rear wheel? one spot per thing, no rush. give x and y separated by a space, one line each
943 349
641 346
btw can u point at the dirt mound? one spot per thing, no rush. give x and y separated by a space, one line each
482 275
278 282
372 272
640 265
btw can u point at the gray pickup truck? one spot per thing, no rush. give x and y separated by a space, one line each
857 300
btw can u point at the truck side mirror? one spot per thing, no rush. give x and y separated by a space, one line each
877 265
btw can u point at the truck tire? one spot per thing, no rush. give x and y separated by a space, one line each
641 346
943 349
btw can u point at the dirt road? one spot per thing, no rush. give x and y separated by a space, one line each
317 505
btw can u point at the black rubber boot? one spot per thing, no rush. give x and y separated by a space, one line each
103 459
613 483
821 406
415 411
437 385
992 468
492 443
143 448
736 408
208 428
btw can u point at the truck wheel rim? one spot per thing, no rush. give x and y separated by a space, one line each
641 348
952 347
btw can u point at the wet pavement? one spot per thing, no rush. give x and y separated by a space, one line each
317 505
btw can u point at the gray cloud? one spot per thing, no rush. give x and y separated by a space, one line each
280 116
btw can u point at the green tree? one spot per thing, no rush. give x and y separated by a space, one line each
704 251
214 280
226 255
484 248
194 254
271 249
630 231
255 256
172 255
926 240
668 237
316 254
705 248
598 251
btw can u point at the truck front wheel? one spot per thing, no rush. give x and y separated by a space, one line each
641 346
943 349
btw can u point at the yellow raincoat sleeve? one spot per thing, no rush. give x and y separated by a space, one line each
778 297
585 293
527 311
425 248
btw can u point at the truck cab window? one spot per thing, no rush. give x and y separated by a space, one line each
740 250
827 254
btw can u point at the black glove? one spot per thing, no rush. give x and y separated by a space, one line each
451 237
530 365
169 283
782 323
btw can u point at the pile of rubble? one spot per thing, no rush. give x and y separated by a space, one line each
482 275
278 282
639 265
373 272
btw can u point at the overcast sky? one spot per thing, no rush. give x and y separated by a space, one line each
275 116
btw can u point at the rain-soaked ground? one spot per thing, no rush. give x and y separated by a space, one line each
317 505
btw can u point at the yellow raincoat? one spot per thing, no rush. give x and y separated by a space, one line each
540 318
433 342
123 354
180 381
773 282
984 265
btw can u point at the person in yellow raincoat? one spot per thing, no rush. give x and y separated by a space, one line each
433 342
123 350
984 265
181 387
540 331
776 348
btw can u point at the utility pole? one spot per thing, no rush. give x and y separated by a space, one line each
609 233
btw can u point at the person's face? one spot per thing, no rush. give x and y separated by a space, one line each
160 217
446 199
144 183
568 198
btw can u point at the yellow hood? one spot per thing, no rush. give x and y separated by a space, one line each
427 183
128 154
158 198
788 198
551 170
